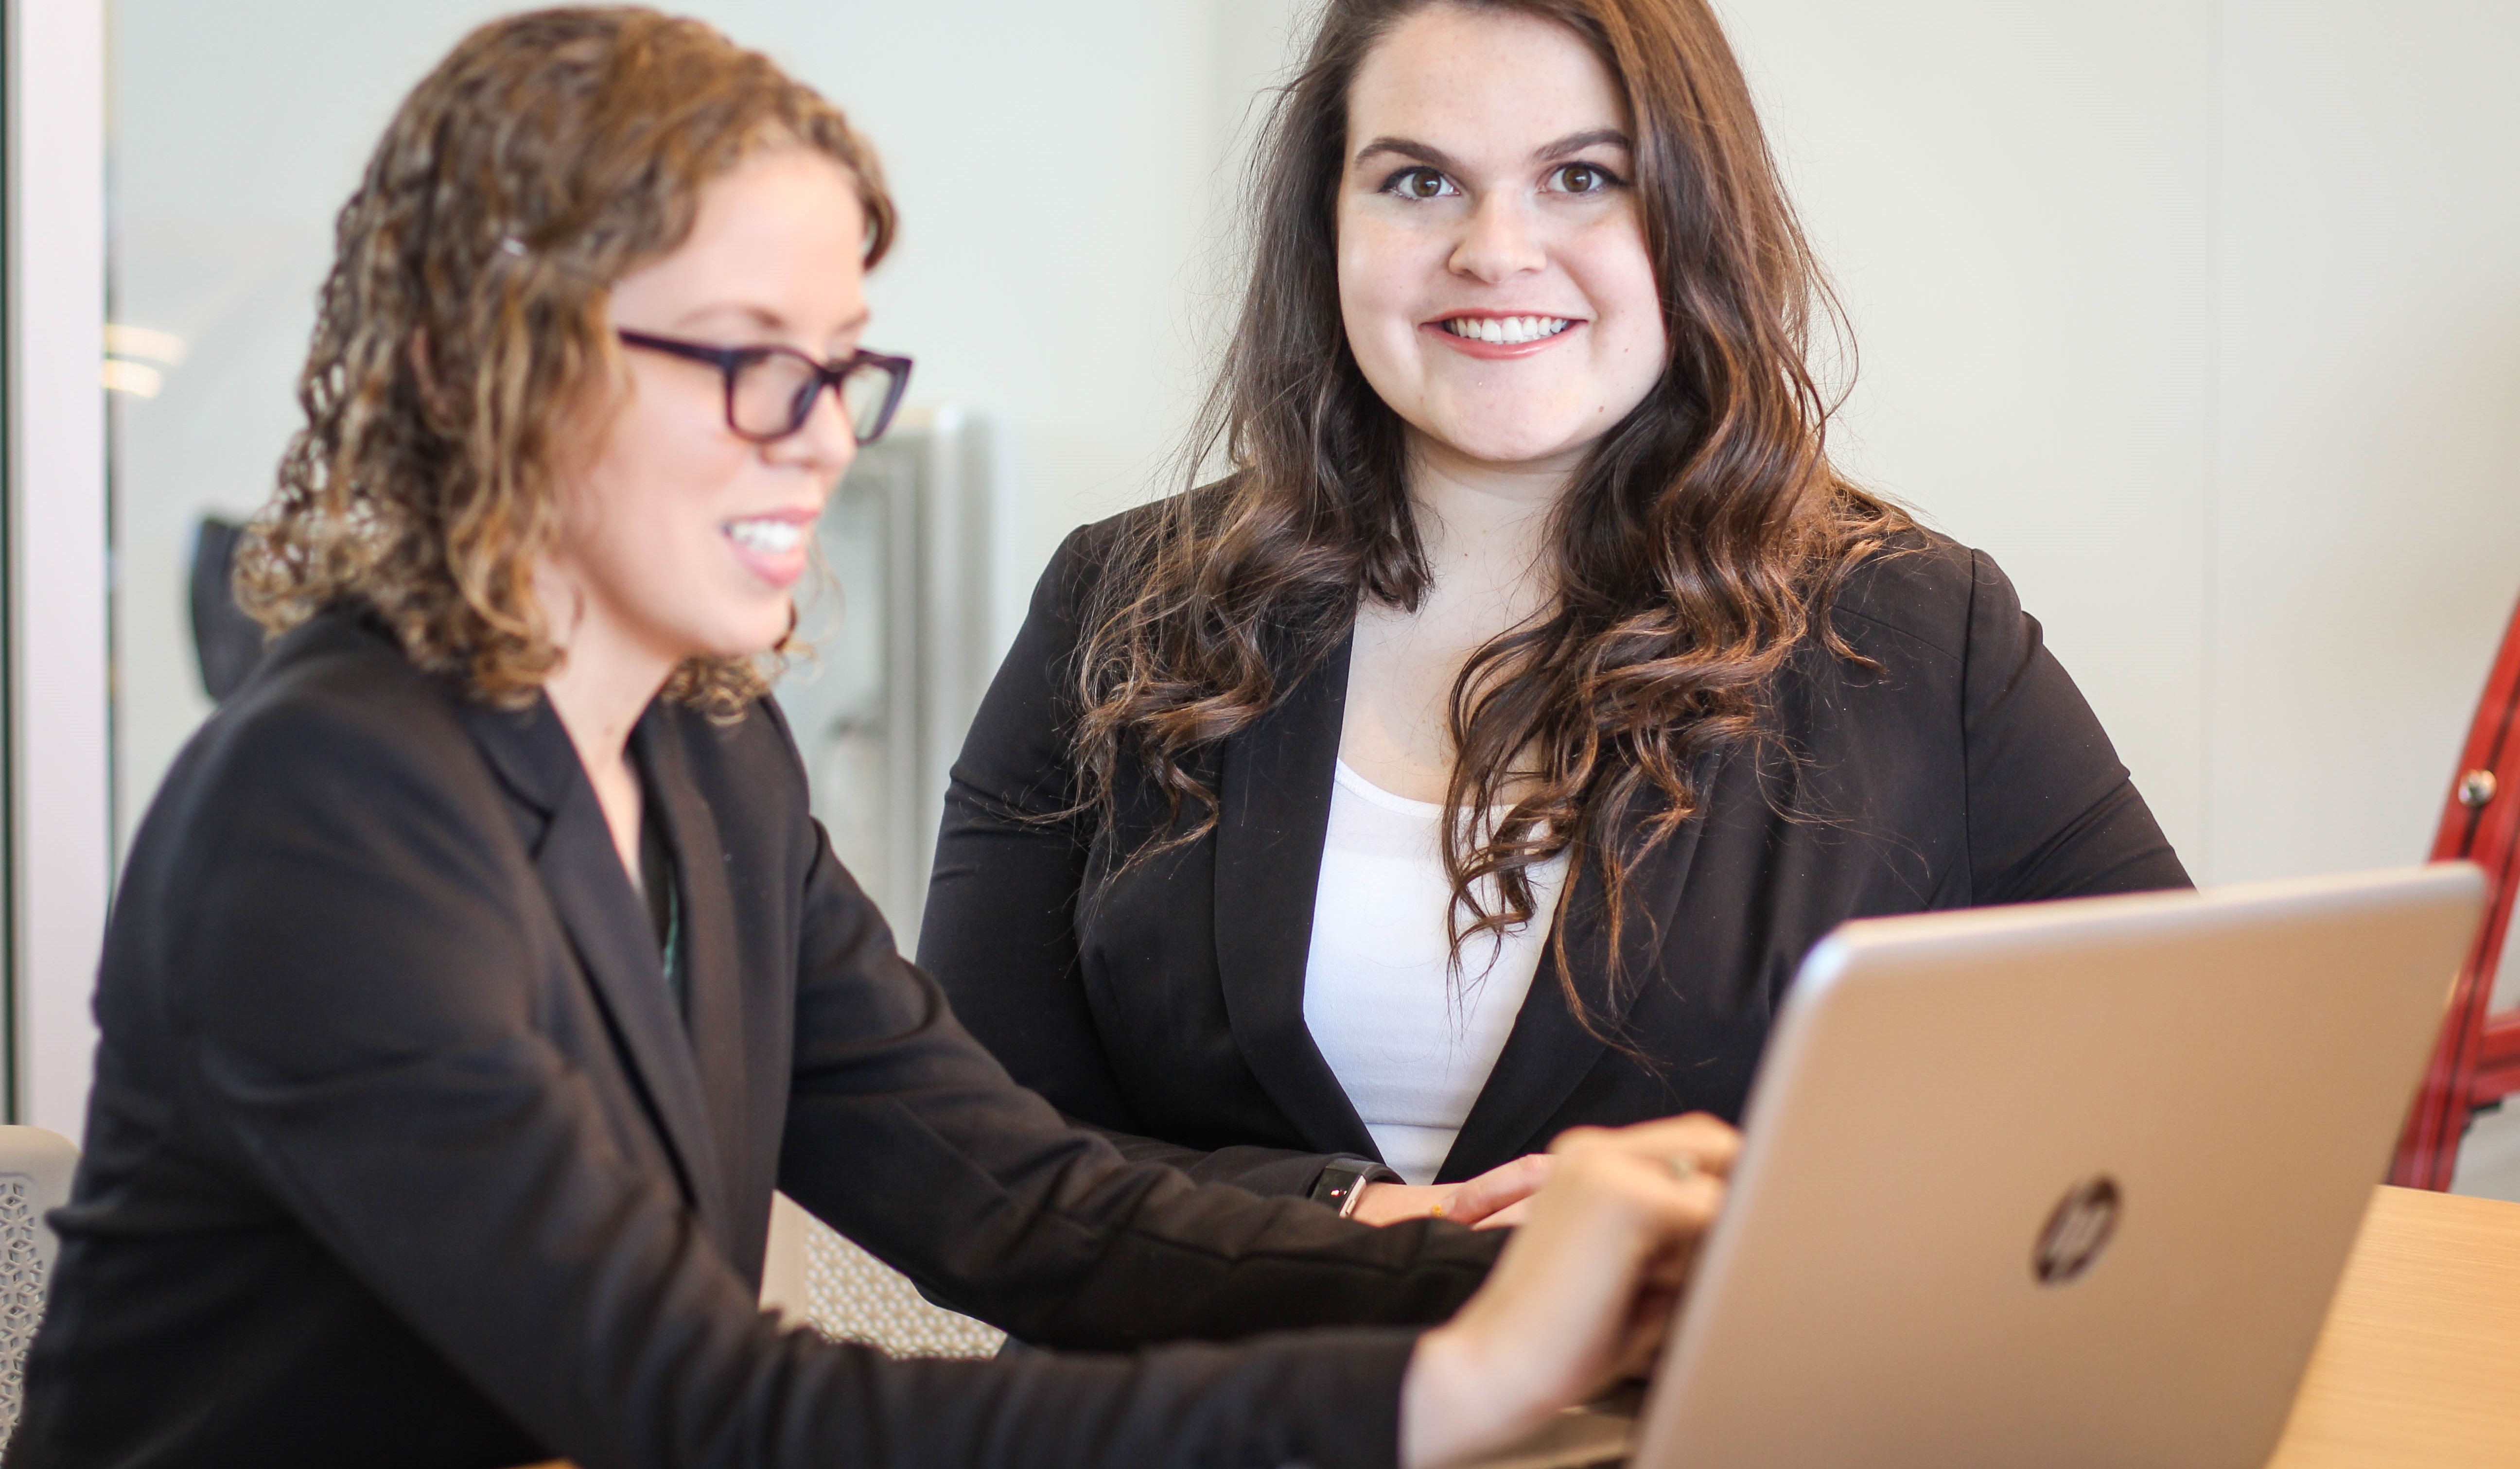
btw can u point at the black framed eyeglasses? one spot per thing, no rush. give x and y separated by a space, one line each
770 391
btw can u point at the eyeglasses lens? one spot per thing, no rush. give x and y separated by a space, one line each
774 394
867 392
769 390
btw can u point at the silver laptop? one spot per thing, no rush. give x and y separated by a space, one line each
2063 1184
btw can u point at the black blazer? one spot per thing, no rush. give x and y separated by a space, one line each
1166 1008
400 1154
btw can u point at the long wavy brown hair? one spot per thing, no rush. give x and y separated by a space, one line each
1695 550
549 155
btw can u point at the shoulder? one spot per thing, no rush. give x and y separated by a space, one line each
1920 592
335 699
1117 547
339 774
1194 509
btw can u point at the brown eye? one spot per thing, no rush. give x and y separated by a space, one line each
1581 178
1418 183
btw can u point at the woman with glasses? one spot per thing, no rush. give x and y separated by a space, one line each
477 973
1480 757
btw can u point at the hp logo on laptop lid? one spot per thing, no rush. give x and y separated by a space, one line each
2077 1231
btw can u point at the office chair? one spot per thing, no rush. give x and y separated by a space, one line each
36 1168
2476 1063
816 1277
226 642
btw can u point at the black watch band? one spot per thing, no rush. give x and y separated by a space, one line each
1343 1180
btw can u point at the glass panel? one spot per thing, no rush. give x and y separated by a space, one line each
228 156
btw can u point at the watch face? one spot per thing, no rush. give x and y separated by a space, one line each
1338 1185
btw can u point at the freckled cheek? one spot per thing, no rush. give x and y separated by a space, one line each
1628 308
1386 278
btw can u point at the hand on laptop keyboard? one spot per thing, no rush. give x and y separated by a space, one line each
1580 1299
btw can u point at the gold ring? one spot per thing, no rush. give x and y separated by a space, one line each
1683 1166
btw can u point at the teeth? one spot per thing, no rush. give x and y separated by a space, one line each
1510 331
769 537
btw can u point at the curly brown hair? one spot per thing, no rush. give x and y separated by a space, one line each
1696 551
549 155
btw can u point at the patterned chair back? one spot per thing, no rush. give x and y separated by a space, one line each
36 1168
815 1276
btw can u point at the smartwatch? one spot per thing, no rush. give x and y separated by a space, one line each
1343 1180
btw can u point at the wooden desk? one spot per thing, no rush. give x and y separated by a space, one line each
2420 1360
2419 1366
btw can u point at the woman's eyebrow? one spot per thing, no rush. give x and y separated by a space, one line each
1408 148
750 314
1578 142
744 313
1427 153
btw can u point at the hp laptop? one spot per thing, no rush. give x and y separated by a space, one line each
2064 1184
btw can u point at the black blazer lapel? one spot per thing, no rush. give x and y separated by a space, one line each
717 1023
1275 792
1549 1051
582 873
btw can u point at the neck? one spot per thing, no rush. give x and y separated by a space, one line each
1486 524
604 681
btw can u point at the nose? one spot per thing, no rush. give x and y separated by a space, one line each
1499 241
826 442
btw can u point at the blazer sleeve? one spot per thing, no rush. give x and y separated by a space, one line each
2051 812
1035 1225
359 1032
999 933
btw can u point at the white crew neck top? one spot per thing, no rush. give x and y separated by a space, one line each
1410 1042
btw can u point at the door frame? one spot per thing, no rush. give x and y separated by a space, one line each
59 642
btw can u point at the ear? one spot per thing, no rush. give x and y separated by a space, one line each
557 591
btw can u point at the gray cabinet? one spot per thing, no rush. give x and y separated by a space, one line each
897 622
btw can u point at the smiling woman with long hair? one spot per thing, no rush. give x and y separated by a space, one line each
1481 754
478 972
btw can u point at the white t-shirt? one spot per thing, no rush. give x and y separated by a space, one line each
1410 1042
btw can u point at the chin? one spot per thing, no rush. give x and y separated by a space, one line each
746 636
1509 444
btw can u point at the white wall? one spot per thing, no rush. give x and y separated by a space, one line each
2013 201
2203 316
2366 542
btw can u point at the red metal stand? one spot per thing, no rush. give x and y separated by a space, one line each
2477 1062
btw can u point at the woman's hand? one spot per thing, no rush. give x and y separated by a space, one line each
1489 1201
1581 1296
